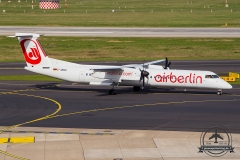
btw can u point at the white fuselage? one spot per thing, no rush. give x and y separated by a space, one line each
78 73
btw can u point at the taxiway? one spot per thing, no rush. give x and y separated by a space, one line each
124 32
83 122
92 107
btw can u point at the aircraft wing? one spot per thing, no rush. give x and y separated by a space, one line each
115 74
105 69
157 62
120 68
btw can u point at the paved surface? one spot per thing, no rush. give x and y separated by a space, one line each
124 32
124 144
149 125
85 123
215 66
92 107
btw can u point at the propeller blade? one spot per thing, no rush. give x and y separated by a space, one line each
169 64
140 79
143 82
166 63
144 74
143 64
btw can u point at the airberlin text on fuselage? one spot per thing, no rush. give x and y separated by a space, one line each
191 78
119 73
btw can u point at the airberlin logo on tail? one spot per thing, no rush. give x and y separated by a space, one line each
31 51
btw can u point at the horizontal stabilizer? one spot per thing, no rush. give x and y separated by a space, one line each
26 35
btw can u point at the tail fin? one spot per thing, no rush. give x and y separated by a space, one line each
32 49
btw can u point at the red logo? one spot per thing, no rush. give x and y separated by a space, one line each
191 78
32 56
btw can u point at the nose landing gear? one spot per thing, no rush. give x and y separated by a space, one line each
219 92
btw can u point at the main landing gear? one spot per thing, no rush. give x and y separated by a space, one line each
112 91
219 92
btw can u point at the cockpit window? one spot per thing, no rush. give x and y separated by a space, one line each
215 76
211 76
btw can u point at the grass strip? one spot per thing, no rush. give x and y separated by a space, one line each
237 81
127 49
124 13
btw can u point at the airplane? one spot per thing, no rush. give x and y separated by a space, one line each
149 74
215 135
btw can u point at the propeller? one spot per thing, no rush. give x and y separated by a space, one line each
167 64
144 74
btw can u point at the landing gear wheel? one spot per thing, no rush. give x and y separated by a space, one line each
112 92
219 92
136 88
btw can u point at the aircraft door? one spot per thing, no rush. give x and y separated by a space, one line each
81 76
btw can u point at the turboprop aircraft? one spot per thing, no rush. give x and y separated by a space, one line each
149 74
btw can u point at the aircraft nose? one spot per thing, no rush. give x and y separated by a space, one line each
227 85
